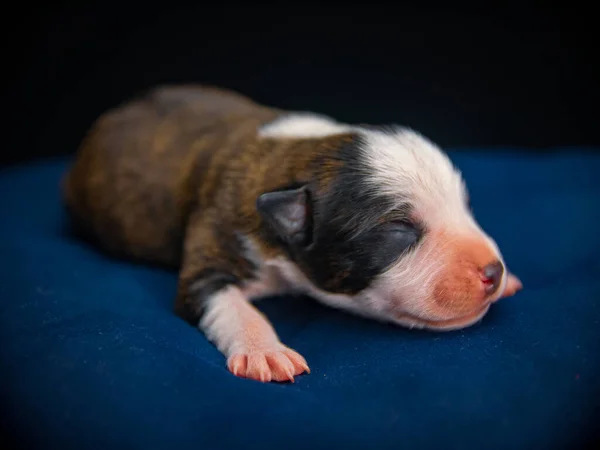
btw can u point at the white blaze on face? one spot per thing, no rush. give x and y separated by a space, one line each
406 164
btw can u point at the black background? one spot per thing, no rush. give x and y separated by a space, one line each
512 77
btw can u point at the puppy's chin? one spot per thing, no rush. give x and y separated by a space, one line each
455 323
510 286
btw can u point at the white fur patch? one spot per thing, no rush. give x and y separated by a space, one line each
280 275
405 163
302 125
228 320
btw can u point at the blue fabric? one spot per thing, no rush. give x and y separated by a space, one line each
92 356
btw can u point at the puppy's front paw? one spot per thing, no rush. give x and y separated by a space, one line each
513 286
277 363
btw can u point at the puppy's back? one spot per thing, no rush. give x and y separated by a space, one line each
131 185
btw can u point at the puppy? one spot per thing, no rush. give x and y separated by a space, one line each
249 201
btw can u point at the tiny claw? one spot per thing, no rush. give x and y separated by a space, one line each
236 367
290 375
265 377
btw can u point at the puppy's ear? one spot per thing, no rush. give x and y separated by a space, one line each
288 213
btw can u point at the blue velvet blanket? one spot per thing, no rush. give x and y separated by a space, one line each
91 355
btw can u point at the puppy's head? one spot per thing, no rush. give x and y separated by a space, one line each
385 229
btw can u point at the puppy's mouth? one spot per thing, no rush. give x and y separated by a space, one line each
509 288
455 323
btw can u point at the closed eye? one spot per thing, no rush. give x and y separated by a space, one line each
399 225
387 242
401 234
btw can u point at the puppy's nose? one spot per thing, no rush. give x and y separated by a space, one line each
492 276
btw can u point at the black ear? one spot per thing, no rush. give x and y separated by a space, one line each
288 213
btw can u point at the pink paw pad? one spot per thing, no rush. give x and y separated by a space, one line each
268 365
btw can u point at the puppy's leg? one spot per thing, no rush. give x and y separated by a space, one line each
210 296
247 339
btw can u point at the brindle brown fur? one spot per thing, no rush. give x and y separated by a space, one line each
173 178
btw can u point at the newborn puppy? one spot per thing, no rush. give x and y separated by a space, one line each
250 201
